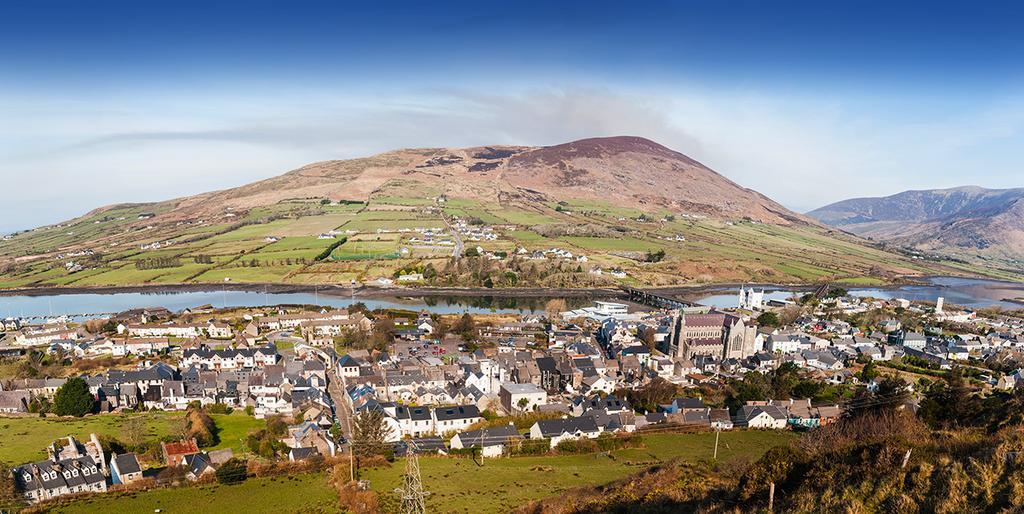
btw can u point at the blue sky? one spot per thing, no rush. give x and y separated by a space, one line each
807 102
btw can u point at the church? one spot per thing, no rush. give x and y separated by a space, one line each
751 299
715 334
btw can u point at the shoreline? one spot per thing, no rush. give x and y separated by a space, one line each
364 291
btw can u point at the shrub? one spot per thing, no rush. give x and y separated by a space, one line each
219 408
233 471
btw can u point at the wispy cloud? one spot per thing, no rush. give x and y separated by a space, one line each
803 152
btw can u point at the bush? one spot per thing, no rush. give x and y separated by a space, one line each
571 446
330 249
219 408
233 471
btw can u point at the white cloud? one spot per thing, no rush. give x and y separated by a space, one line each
71 156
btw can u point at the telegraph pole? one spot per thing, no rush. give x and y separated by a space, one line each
718 432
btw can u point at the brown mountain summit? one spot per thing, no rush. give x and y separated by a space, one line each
627 171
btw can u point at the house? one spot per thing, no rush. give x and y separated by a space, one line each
414 421
311 436
55 477
219 330
197 465
559 430
597 383
448 419
175 452
124 468
720 419
301 453
682 405
521 397
13 402
761 416
348 367
492 441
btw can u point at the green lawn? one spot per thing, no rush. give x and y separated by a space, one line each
26 438
459 485
609 244
308 492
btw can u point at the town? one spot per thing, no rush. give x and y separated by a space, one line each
347 382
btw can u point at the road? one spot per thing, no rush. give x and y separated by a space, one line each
455 234
342 408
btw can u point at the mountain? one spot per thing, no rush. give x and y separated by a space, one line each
653 215
624 171
966 220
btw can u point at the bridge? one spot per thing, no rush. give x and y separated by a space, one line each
659 301
822 290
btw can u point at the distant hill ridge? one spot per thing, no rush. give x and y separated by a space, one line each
624 170
968 219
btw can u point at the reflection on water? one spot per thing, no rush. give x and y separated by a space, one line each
76 305
968 292
973 293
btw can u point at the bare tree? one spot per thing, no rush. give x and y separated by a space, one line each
554 307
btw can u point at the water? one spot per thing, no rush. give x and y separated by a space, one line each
968 292
972 293
85 305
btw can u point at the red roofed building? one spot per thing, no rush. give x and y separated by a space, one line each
175 452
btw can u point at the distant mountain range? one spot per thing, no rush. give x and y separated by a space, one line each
966 220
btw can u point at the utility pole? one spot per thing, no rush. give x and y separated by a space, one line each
481 447
348 423
718 432
771 497
412 493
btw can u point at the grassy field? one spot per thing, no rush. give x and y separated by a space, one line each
714 251
456 485
308 492
460 485
26 438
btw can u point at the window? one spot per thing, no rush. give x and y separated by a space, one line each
28 477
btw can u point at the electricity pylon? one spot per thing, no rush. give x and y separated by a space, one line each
412 493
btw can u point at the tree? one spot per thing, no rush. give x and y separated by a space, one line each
369 433
465 325
134 431
233 471
869 372
73 398
199 425
554 307
655 256
768 319
9 496
522 403
648 337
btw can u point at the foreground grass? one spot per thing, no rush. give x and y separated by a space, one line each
25 439
308 492
456 485
460 485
